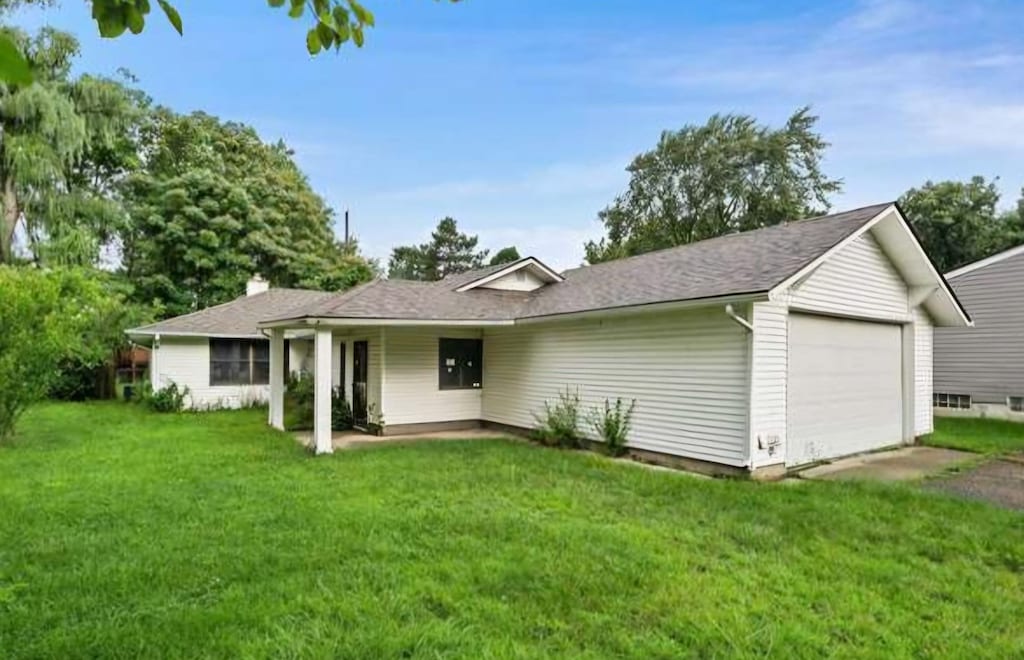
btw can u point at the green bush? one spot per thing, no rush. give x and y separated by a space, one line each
298 402
299 405
558 424
612 425
341 411
167 399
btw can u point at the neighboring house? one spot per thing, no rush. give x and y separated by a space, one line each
219 353
980 371
753 352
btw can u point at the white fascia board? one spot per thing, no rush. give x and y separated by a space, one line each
987 261
528 262
174 333
367 322
645 308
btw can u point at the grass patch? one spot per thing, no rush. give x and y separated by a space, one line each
984 436
128 533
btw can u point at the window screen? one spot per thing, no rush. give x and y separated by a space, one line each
460 364
239 362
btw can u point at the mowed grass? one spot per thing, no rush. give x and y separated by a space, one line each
985 436
130 534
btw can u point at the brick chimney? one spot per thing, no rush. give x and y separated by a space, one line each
256 285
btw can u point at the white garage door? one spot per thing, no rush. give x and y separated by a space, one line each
845 388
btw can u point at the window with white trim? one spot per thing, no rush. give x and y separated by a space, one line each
1015 403
957 401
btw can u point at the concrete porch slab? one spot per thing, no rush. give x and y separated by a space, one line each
348 439
903 464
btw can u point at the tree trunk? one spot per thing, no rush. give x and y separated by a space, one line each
10 215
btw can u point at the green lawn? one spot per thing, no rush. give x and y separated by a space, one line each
125 533
986 436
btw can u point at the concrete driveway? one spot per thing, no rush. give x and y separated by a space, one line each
903 464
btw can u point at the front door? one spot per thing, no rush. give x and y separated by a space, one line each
360 357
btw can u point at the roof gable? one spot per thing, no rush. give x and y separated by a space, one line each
506 278
897 240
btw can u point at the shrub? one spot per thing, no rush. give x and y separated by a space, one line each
341 411
612 425
559 422
300 397
167 399
298 402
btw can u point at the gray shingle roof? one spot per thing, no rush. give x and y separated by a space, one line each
239 317
745 263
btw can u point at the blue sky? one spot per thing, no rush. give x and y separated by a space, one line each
518 117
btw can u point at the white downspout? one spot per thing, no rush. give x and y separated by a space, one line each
739 319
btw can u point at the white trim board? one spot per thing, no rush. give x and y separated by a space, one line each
987 261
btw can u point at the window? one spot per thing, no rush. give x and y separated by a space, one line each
959 401
460 364
1015 403
239 362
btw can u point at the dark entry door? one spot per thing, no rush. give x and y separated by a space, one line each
360 357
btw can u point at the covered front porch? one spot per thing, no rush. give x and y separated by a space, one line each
402 381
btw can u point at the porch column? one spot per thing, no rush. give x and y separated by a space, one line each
322 391
276 415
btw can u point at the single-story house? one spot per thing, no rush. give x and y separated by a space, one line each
980 371
753 352
220 353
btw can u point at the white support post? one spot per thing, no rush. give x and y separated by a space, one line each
276 415
322 392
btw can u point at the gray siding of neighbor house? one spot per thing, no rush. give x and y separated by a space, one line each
986 361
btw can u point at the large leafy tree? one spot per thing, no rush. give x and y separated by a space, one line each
448 252
59 145
728 175
214 204
959 221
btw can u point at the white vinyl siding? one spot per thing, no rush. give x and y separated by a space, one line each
922 373
858 280
186 362
411 393
768 383
688 372
845 391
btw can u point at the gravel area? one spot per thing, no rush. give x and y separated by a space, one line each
1000 482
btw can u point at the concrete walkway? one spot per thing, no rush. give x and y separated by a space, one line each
903 464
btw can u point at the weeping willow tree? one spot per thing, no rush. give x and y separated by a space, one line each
62 145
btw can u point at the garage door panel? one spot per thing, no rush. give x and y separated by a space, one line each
845 387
